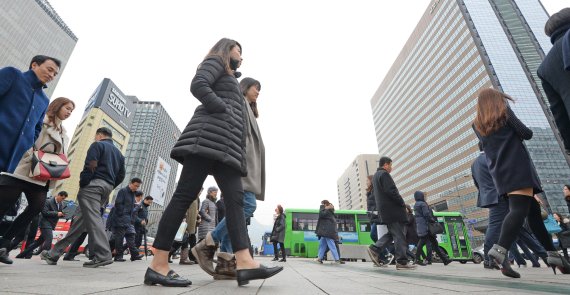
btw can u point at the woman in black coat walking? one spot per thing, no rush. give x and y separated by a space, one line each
327 231
514 175
424 217
278 234
213 143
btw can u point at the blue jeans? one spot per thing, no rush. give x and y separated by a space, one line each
323 244
373 232
497 214
220 233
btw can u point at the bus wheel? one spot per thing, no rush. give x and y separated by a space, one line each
462 261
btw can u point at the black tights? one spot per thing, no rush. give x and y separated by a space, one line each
9 194
521 207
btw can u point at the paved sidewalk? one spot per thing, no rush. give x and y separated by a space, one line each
300 276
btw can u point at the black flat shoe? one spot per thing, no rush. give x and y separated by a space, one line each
172 279
120 260
260 273
4 258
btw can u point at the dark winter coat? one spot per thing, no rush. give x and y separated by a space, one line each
278 232
208 212
370 207
483 180
556 84
423 214
411 231
326 224
220 210
507 157
392 207
49 214
141 213
217 129
23 104
124 205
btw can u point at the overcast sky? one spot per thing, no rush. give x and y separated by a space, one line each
319 63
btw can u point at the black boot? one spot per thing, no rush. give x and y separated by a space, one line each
498 254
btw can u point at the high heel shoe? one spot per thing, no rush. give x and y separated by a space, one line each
555 260
172 279
260 273
498 254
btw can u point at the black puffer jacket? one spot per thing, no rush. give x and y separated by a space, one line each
326 225
216 131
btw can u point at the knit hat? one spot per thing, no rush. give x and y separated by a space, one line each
212 189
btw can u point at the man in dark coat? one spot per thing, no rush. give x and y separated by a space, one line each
555 72
123 219
52 212
392 212
23 104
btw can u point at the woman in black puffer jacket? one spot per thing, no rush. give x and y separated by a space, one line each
213 143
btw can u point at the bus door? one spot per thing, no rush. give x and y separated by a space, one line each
458 239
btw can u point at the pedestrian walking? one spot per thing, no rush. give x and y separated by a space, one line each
563 223
213 142
208 212
103 171
23 105
554 72
52 212
141 218
501 134
424 216
326 231
253 185
392 212
278 234
52 137
123 220
371 209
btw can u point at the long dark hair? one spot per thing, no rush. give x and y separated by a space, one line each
54 108
491 111
222 49
245 84
567 197
369 187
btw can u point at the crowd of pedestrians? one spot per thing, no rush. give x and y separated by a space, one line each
223 139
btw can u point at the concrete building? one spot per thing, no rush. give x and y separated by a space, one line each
351 186
153 133
424 107
32 27
107 107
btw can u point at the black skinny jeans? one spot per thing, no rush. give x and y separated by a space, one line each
429 238
10 191
194 172
276 251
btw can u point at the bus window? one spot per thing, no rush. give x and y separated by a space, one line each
345 223
305 221
364 223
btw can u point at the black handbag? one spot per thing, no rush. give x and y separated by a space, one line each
435 228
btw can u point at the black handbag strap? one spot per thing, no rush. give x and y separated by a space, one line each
42 148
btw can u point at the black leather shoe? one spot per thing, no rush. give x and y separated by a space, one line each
121 259
138 257
260 273
4 257
172 279
70 259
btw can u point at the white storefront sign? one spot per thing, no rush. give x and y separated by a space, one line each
160 181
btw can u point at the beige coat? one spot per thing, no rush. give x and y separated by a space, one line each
48 134
191 216
255 158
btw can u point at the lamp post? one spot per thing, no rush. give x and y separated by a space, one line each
457 191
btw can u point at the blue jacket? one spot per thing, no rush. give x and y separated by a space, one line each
423 213
110 164
488 196
23 104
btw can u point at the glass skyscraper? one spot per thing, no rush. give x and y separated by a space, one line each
32 27
424 108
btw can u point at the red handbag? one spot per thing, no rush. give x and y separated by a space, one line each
49 165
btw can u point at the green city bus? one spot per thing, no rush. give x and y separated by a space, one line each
354 229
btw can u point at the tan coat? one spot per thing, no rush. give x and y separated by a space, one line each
191 216
255 158
48 134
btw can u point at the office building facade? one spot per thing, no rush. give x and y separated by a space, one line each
458 48
107 107
153 133
351 186
32 27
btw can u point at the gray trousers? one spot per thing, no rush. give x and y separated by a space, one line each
88 219
397 234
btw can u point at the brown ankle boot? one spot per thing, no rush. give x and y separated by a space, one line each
226 267
184 258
